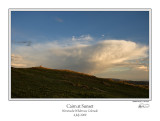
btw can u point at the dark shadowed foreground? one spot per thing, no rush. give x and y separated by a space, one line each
40 82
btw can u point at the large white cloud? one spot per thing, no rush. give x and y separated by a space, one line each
86 58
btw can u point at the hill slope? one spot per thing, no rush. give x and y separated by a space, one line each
39 82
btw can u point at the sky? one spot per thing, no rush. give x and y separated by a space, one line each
108 44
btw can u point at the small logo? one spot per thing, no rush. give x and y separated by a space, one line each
143 105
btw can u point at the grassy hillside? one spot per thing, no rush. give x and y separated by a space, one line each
39 82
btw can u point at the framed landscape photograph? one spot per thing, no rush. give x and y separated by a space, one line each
80 54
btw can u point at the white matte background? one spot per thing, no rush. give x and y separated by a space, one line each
51 110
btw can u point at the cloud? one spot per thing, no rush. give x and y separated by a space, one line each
87 58
142 67
82 38
59 19
20 62
27 43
